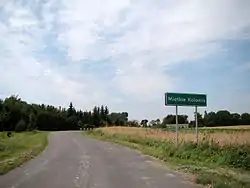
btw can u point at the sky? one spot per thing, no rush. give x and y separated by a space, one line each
126 54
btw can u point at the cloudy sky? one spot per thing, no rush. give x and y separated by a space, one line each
126 53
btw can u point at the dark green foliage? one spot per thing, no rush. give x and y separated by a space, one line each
102 112
220 118
18 115
200 119
71 110
171 119
133 123
106 111
144 123
118 119
225 118
80 124
209 118
245 119
32 122
21 126
235 119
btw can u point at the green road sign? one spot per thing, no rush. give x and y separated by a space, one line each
185 99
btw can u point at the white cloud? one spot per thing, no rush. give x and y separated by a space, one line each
170 33
141 40
3 3
81 21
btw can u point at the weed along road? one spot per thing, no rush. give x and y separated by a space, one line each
74 161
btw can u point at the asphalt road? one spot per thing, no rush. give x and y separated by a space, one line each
74 161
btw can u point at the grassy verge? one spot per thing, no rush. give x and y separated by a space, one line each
20 148
221 167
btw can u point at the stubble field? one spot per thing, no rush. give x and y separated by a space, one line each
221 138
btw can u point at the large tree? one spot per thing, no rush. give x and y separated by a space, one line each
171 119
144 123
209 118
71 110
235 119
223 118
245 119
118 118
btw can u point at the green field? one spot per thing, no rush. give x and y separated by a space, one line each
223 165
20 148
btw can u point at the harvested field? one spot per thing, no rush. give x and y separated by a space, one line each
222 138
230 127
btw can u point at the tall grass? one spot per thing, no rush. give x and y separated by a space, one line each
19 148
221 138
221 159
211 150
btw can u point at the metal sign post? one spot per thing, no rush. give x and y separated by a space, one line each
186 99
176 121
196 125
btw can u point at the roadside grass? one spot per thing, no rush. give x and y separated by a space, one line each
226 166
19 148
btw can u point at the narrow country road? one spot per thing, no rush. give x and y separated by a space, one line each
74 161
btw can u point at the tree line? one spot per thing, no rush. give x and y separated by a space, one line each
223 118
211 119
18 115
